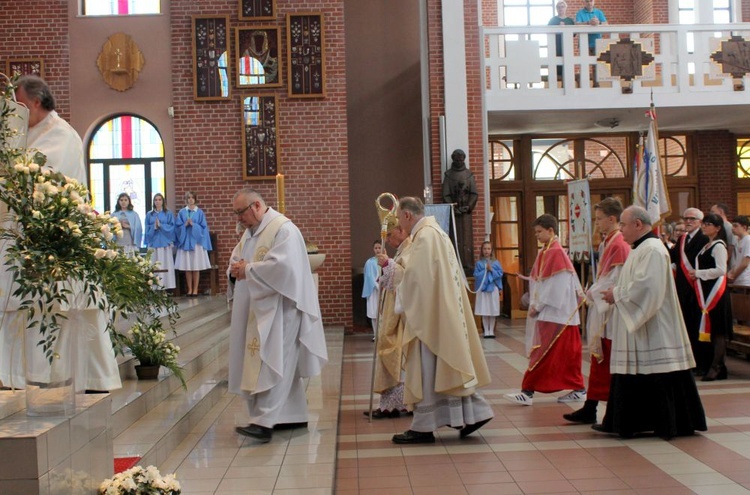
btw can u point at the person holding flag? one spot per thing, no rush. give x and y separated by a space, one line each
710 277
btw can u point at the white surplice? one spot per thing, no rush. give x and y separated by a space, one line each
648 332
280 290
64 150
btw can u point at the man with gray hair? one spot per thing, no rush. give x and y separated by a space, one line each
683 255
443 358
48 132
652 389
277 336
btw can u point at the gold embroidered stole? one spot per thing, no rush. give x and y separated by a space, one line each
252 360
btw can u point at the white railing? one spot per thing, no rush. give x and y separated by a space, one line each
521 67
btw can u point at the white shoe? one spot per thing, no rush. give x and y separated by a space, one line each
574 396
520 398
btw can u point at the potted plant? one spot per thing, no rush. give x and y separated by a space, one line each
148 343
138 480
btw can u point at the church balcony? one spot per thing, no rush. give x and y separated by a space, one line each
695 74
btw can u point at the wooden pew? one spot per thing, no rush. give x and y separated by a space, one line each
741 312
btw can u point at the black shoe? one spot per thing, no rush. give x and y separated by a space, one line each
469 429
698 372
723 373
260 433
580 416
600 428
489 336
290 426
411 436
380 414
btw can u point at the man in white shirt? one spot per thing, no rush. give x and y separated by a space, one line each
740 274
722 210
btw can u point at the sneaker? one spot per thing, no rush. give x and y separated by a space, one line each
520 398
574 396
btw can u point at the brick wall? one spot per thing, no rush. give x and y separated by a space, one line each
312 148
28 36
715 157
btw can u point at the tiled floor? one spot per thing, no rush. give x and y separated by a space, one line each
524 450
528 450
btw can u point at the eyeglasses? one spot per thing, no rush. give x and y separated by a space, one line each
691 219
243 210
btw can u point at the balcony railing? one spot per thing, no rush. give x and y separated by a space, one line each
523 70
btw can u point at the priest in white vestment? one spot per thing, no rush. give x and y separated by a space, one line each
652 388
277 336
60 143
444 361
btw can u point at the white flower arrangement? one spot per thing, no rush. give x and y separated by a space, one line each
137 481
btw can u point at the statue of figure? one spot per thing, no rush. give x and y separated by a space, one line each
460 188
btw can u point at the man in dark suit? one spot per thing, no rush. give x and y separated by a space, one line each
683 255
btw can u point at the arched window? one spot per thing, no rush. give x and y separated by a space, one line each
126 154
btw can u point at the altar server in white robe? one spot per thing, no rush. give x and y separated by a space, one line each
277 334
63 148
652 389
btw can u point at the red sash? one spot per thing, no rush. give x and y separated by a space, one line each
685 264
707 305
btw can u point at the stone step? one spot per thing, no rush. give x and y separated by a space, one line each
138 397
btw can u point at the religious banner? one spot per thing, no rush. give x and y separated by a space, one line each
649 186
210 57
579 202
305 55
259 144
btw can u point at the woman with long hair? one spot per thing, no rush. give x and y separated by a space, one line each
488 282
160 240
193 243
713 297
131 225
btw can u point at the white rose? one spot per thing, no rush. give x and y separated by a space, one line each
36 214
108 236
18 167
38 196
64 201
111 254
100 253
33 167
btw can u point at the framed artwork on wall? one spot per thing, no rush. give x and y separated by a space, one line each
24 67
211 57
258 62
306 55
257 10
260 158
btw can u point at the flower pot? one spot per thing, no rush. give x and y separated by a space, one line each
147 371
50 387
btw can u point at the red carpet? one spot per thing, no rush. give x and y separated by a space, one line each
125 463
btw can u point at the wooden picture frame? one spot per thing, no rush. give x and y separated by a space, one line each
24 67
260 118
211 73
306 67
257 10
258 61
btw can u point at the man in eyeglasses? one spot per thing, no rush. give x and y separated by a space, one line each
276 334
683 256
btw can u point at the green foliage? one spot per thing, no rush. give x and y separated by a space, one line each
63 255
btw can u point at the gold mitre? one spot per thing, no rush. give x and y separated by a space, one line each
391 222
